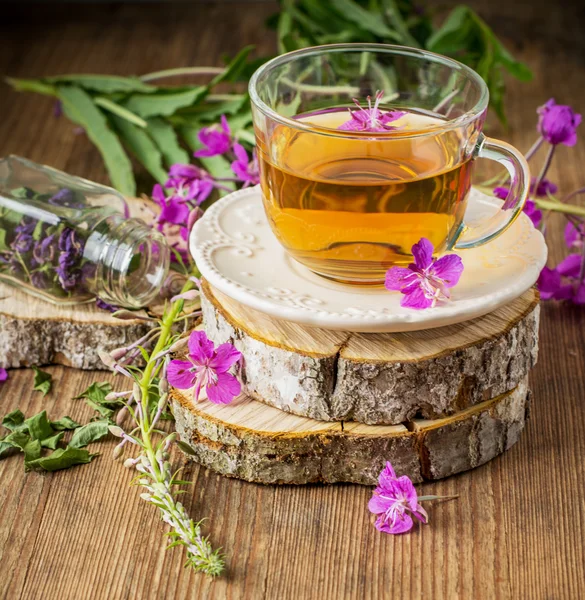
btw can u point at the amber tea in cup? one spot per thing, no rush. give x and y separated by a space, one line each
350 203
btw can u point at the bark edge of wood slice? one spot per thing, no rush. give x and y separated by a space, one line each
385 378
258 443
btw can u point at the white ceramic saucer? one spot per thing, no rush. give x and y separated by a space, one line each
237 253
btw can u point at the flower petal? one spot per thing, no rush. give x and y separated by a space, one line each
423 253
404 485
200 347
401 523
225 356
224 390
549 282
417 299
179 375
397 278
378 505
448 268
570 266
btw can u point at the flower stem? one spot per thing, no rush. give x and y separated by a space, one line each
545 168
534 148
182 71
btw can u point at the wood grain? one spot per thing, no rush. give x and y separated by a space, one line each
517 529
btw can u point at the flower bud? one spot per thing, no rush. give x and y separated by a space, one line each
179 345
117 452
129 463
121 416
128 315
117 431
118 353
106 359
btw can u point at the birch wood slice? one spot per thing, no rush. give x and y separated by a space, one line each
377 378
255 442
36 332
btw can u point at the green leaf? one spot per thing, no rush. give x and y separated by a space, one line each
116 109
79 107
32 451
17 439
97 391
39 426
42 382
5 448
53 441
365 19
234 67
35 86
104 84
185 448
142 147
14 421
3 245
164 103
165 137
102 409
393 14
64 423
62 458
89 433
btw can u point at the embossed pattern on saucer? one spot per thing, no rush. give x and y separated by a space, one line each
238 254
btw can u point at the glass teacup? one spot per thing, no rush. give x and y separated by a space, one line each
364 149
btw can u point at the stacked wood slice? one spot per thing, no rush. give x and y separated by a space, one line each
332 406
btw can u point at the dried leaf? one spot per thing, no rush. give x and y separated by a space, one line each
62 458
42 381
89 433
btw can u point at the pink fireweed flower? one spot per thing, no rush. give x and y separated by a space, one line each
533 213
564 281
3 375
557 123
246 170
207 367
394 501
371 118
573 236
172 210
427 280
545 187
189 183
216 138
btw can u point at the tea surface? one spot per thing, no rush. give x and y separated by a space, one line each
350 208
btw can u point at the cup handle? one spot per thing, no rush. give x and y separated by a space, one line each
516 165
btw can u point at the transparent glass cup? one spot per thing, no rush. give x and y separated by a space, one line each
348 191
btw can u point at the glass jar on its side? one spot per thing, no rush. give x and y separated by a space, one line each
68 240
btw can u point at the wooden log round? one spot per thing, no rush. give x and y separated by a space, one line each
384 378
255 442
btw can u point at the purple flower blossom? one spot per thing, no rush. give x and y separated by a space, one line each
65 197
545 187
394 501
23 242
3 375
563 282
71 242
27 225
189 183
246 170
44 250
40 280
557 123
427 280
573 237
207 367
105 306
533 213
371 118
172 210
216 138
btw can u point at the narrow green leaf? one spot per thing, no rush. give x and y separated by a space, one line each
234 67
104 84
89 433
365 19
14 421
53 441
79 107
164 103
116 109
165 137
185 448
62 458
142 146
393 14
35 86
39 427
97 391
3 245
42 382
64 423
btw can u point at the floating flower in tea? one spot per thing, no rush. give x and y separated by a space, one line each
371 119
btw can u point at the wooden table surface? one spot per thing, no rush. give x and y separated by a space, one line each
518 527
